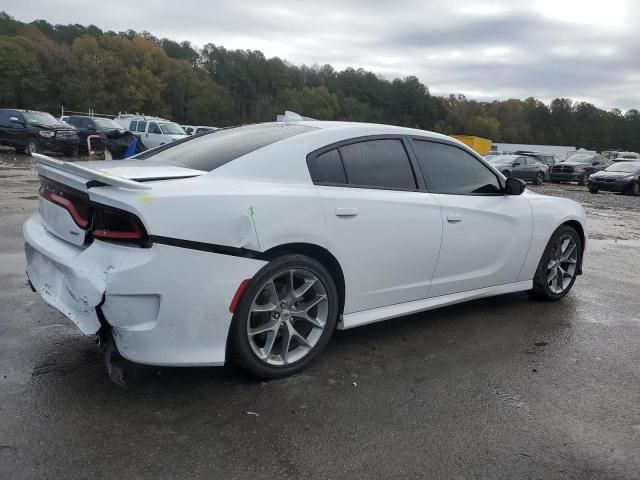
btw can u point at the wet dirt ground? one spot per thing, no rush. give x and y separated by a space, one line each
506 387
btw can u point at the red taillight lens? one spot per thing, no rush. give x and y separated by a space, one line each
113 224
75 202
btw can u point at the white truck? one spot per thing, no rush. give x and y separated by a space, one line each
153 131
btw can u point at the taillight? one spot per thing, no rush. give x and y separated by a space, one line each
109 223
75 202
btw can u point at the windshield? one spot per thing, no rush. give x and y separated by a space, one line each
581 158
624 167
106 124
41 118
171 129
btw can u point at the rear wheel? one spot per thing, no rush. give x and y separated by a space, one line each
634 189
559 264
285 317
539 178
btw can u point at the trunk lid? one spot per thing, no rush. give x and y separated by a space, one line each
65 205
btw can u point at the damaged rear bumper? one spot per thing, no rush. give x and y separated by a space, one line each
165 305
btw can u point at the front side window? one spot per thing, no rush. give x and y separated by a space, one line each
378 163
172 129
142 126
153 128
453 171
133 125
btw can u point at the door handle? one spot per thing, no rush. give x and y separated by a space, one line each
346 212
454 218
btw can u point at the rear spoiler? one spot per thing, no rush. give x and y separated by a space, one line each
90 173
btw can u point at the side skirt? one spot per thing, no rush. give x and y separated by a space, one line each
364 317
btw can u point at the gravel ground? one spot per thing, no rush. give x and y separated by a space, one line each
497 388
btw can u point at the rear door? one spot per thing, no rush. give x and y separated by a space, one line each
486 234
387 228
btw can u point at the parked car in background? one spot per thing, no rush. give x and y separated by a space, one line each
577 168
621 177
154 131
32 131
86 126
520 166
252 245
625 157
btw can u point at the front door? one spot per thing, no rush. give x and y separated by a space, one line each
154 136
486 234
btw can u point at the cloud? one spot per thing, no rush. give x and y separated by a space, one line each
583 49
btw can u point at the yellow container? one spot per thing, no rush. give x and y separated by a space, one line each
479 144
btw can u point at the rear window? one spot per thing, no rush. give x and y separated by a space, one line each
211 150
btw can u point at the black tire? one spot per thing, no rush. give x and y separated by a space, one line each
554 181
33 145
72 153
541 288
506 173
582 180
593 190
634 190
240 349
21 149
539 179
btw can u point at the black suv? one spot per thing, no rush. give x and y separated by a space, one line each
87 126
33 132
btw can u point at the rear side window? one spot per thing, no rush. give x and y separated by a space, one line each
209 151
142 126
133 125
378 163
451 170
329 168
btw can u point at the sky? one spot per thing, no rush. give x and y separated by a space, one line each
580 49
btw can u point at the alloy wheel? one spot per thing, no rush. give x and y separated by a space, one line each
287 317
561 267
32 146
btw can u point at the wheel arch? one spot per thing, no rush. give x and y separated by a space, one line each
318 253
577 226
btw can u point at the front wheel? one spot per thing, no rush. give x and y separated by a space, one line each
285 317
33 145
559 264
539 178
635 189
582 180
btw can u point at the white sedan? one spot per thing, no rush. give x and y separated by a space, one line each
254 243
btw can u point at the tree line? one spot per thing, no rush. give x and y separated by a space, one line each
47 66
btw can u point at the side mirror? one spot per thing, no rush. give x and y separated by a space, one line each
514 186
594 163
516 164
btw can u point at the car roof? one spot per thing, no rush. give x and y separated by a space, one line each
361 128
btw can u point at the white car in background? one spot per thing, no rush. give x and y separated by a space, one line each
153 131
256 242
